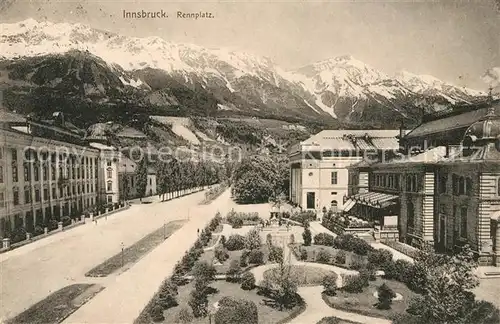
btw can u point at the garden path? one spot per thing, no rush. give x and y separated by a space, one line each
317 309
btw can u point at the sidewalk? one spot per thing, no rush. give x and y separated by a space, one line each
123 300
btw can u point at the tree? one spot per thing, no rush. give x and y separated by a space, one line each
204 272
253 240
142 177
385 296
221 253
307 236
248 281
233 274
198 301
446 286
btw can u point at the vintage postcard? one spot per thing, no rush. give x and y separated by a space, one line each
250 162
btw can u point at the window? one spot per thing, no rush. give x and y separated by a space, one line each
110 198
27 196
15 175
334 177
396 181
110 173
61 192
310 174
150 181
333 205
88 188
53 170
463 222
461 186
1 153
26 172
1 174
2 199
44 173
37 195
108 163
45 194
455 184
442 183
16 198
36 174
54 193
110 186
132 181
468 186
14 154
334 193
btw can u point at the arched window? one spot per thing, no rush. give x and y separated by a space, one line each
410 216
110 186
461 186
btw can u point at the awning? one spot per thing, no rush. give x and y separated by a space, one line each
495 215
348 205
375 199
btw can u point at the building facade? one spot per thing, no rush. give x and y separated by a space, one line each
319 176
47 172
127 179
445 196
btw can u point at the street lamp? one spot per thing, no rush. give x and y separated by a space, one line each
123 246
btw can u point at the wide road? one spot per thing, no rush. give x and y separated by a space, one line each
30 273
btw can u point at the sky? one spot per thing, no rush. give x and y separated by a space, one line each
456 41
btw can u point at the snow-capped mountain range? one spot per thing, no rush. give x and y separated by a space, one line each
61 55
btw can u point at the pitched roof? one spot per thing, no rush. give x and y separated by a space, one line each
10 117
131 133
450 123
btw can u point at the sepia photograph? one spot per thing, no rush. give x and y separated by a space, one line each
250 162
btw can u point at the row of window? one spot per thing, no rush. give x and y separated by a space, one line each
460 185
63 192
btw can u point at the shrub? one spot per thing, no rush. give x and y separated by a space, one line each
323 256
253 241
340 257
330 284
38 230
170 287
185 315
203 271
357 264
256 257
233 274
275 253
239 311
354 283
385 296
349 242
351 301
390 270
157 313
323 239
243 260
379 257
167 300
303 254
235 242
307 236
221 253
248 281
222 240
198 302
52 224
269 238
237 223
367 274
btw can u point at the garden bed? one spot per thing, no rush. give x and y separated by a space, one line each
304 275
335 320
209 256
351 258
133 253
58 306
364 303
267 314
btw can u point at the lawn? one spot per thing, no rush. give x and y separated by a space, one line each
312 252
335 320
304 275
364 303
209 256
133 253
267 314
58 306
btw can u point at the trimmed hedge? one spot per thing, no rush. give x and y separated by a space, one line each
232 310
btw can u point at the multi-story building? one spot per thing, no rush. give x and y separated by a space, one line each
108 169
319 165
47 171
444 196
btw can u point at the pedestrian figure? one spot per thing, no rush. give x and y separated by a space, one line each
198 231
